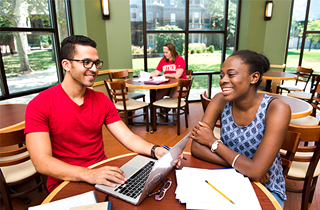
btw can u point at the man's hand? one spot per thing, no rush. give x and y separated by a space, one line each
106 175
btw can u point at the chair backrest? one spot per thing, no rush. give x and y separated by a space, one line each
184 86
290 144
315 97
12 145
117 90
188 73
204 100
303 75
277 66
309 135
118 74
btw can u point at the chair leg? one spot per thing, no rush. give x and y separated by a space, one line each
126 118
178 120
146 117
38 180
187 107
306 193
154 118
5 195
313 187
186 119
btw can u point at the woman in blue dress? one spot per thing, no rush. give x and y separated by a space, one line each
253 125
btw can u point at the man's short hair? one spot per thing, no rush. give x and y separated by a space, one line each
68 48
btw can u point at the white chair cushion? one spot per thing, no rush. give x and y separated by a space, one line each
292 88
17 172
299 169
305 121
169 103
216 132
131 105
300 94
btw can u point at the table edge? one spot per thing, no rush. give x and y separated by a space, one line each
63 184
13 127
269 195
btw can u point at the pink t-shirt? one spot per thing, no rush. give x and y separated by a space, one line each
75 131
169 67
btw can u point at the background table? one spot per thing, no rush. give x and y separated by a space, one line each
67 189
12 116
131 83
276 75
299 108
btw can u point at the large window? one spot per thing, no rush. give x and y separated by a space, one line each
304 37
30 35
203 32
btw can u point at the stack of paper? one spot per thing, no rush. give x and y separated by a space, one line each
160 78
65 204
144 76
197 194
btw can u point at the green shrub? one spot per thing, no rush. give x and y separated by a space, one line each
211 48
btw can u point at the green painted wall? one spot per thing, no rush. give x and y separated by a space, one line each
267 37
113 36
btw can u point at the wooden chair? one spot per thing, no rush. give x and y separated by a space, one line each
288 150
16 167
188 73
303 75
204 100
305 166
311 120
305 95
124 74
179 104
117 92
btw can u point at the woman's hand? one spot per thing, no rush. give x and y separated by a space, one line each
203 134
265 178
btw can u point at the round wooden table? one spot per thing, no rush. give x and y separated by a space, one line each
276 75
67 189
299 108
12 116
132 83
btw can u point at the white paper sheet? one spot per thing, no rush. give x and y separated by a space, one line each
197 194
67 203
144 76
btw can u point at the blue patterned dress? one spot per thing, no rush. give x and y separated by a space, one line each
245 140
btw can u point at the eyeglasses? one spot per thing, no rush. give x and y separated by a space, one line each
159 194
88 64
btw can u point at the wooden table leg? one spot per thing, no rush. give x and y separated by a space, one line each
268 85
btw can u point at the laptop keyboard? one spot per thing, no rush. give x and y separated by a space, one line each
135 184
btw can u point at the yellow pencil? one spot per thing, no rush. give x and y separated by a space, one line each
220 192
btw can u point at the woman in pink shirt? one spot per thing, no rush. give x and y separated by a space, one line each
172 65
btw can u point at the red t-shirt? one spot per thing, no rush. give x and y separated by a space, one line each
75 131
169 67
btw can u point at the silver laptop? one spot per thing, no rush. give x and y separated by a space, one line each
139 183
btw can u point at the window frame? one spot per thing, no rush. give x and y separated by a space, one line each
187 32
56 46
304 34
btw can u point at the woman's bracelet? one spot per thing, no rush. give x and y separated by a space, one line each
234 160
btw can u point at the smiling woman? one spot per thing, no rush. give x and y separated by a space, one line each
249 140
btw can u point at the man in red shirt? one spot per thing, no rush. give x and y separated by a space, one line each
63 124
